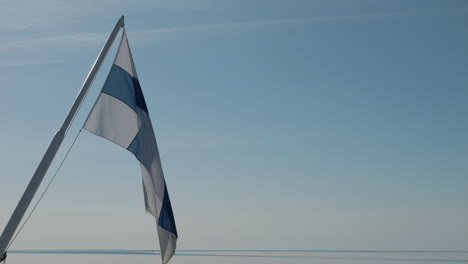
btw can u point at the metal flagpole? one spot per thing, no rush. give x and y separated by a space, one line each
48 157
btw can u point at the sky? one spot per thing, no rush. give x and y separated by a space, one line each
307 125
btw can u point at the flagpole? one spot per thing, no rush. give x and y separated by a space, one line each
49 155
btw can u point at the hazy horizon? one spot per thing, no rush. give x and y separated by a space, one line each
247 256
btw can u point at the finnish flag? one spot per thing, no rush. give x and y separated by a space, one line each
121 116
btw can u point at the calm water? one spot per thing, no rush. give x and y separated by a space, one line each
237 256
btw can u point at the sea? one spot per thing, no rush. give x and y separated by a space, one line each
236 257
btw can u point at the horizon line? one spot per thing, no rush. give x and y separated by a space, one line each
233 250
306 254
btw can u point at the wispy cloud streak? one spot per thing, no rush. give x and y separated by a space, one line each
266 22
292 21
89 38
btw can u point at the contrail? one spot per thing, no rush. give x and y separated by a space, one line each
80 39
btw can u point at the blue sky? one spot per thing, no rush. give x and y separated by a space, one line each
281 124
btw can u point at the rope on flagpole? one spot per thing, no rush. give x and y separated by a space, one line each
58 169
45 190
40 172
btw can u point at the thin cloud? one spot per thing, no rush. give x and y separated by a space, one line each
64 39
28 63
291 21
85 39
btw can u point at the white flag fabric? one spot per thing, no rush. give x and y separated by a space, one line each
121 116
